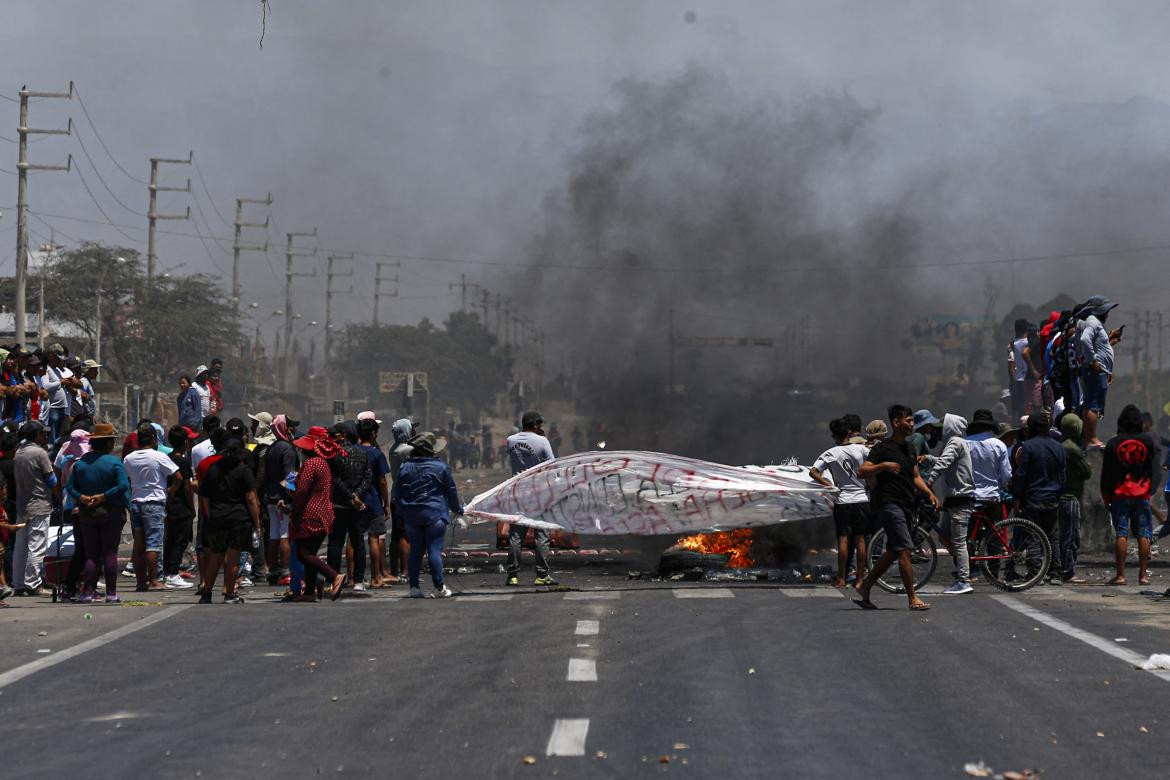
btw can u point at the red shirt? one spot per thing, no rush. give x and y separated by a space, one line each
312 509
204 465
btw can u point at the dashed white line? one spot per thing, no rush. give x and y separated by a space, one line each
702 593
1092 640
582 670
588 627
808 593
32 667
487 597
568 737
587 595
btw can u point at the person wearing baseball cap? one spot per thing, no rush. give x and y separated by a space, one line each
200 386
368 415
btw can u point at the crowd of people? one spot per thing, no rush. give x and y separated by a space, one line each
251 501
1061 374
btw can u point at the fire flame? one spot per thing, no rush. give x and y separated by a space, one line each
735 544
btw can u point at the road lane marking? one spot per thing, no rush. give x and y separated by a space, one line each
586 595
32 667
588 627
702 593
487 597
568 737
582 670
1100 643
811 593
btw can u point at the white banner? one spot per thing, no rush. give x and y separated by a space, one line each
648 493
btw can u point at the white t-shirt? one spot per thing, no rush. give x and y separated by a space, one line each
841 464
148 471
200 451
1018 347
204 397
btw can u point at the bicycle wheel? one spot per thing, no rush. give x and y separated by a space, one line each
1015 555
923 560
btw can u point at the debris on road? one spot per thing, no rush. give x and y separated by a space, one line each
752 670
681 746
601 754
977 770
1156 661
529 760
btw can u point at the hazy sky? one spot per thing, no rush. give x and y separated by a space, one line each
439 129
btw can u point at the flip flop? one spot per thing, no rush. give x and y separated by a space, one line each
1117 581
865 603
1143 581
335 593
921 607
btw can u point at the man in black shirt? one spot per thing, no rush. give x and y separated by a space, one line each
892 468
227 498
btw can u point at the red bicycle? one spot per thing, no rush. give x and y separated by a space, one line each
1014 553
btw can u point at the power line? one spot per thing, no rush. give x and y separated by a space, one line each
109 221
53 227
195 224
9 99
210 200
89 119
93 165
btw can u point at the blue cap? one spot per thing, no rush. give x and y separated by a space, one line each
1099 304
923 417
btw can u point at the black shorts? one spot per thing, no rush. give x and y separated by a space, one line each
221 539
853 519
896 524
376 524
397 523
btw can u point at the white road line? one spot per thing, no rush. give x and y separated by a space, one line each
487 597
582 670
1100 643
588 627
568 737
702 593
587 595
32 667
811 593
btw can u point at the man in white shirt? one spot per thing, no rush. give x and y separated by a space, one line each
526 449
851 515
200 386
148 470
204 448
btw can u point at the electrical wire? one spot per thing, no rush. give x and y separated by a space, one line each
101 178
210 200
53 227
109 221
88 118
195 224
10 99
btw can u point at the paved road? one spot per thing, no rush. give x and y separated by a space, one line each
618 680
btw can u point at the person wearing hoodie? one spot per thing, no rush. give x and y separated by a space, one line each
403 431
280 460
1069 511
1129 475
426 495
1096 350
952 477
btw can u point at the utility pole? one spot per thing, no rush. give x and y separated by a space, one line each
378 279
152 216
20 324
330 275
484 295
463 285
289 274
499 319
238 247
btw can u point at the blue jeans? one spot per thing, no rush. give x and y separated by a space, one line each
426 539
150 517
57 420
1095 388
1132 511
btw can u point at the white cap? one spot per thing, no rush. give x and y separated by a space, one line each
368 415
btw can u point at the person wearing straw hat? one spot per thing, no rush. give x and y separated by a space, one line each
312 511
426 495
100 487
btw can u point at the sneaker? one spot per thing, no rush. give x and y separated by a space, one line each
5 592
42 592
233 598
545 580
445 593
113 599
285 580
243 582
129 570
85 598
416 593
958 588
204 598
512 581
177 582
359 587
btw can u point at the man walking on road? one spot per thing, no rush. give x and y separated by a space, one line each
893 467
851 513
36 483
955 476
525 450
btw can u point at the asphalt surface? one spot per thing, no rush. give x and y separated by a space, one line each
700 679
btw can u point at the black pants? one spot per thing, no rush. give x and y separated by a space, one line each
76 563
306 552
1048 518
347 523
178 537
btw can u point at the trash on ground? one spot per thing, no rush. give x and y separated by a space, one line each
977 770
1156 661
530 759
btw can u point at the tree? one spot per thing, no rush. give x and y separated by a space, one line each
465 365
146 339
